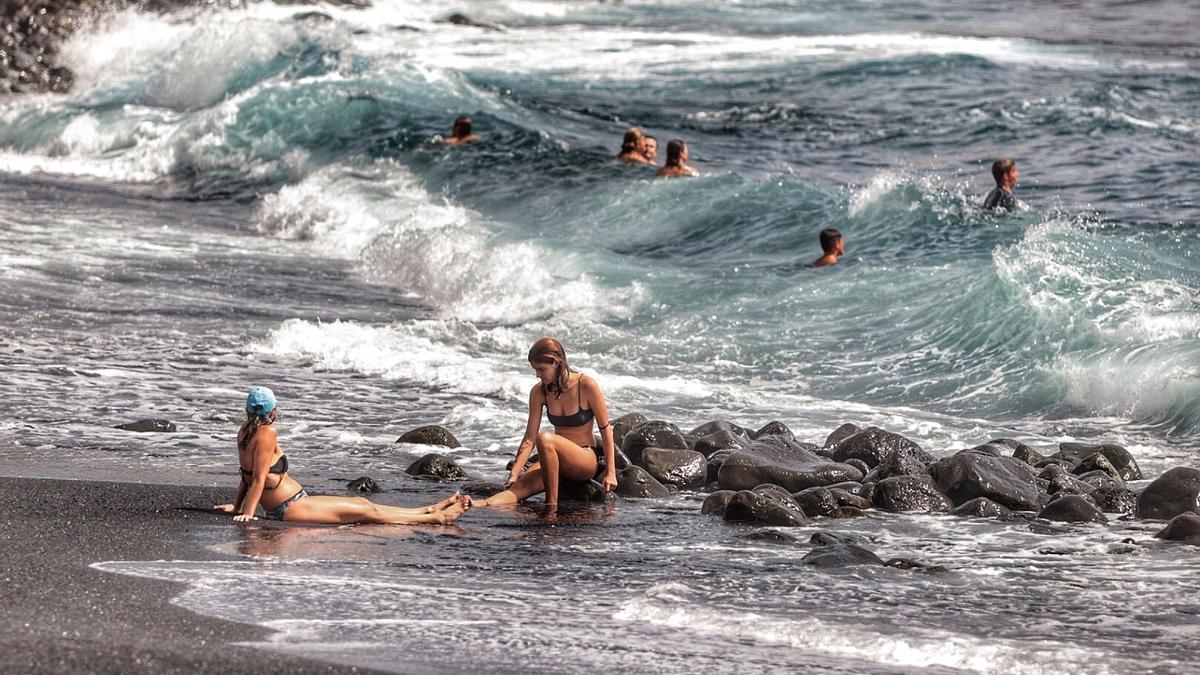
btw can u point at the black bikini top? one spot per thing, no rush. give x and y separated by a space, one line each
280 467
581 416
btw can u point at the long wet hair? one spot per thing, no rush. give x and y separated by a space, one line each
550 351
632 139
251 426
462 127
675 152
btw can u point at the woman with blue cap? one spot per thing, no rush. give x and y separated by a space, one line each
266 481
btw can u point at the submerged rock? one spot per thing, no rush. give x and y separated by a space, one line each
766 507
431 434
783 462
981 507
363 484
685 469
770 537
908 494
1185 528
716 503
973 473
637 483
1175 492
1073 509
872 445
840 555
149 426
436 467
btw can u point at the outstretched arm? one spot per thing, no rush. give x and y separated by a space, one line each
237 500
532 424
600 410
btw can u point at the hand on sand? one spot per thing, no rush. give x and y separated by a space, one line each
241 517
227 508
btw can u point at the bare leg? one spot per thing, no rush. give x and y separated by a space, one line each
526 486
561 458
344 510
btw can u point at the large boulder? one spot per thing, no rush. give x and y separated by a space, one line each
842 432
840 555
764 506
775 428
898 464
636 483
716 503
1097 462
909 494
431 434
436 467
816 501
1073 509
970 474
872 445
1185 527
1176 491
1121 459
652 434
685 469
624 424
720 440
1116 499
786 463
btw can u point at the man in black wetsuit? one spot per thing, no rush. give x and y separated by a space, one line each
1005 173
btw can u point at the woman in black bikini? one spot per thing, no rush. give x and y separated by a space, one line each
266 481
569 453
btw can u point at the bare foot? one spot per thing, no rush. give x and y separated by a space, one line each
451 513
442 505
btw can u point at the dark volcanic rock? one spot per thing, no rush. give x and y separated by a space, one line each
716 503
906 494
623 424
847 498
685 469
899 464
970 474
840 555
1019 450
1120 458
436 466
981 507
786 463
859 464
149 426
1073 509
816 501
637 483
872 445
1175 492
770 537
652 434
581 491
842 432
363 484
431 434
775 428
1097 462
720 440
715 426
1062 482
1185 528
483 489
766 507
1116 499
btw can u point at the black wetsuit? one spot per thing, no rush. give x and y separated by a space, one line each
1000 199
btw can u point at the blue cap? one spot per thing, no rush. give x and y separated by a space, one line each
260 401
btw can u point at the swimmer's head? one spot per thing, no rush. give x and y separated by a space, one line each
462 127
632 141
549 360
831 241
650 148
677 152
1005 172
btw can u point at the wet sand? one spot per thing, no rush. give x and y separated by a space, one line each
61 616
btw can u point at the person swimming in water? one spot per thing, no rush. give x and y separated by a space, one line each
632 146
650 149
266 482
570 452
1004 171
461 132
677 157
832 245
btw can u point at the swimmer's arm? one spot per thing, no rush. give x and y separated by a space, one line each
236 504
600 410
264 448
531 429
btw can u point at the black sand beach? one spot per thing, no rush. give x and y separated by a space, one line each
61 616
